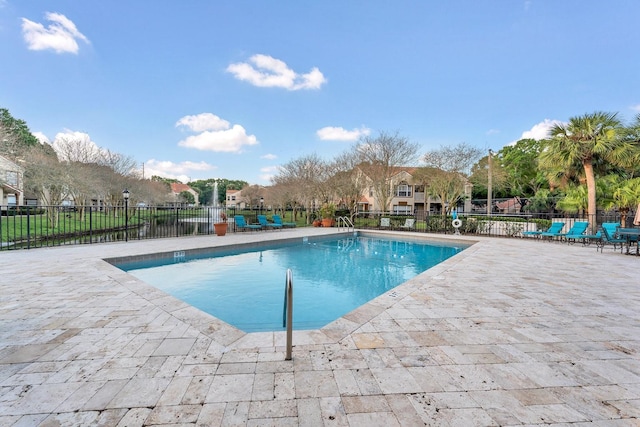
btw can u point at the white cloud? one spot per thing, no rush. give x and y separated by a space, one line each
268 172
61 35
493 132
541 130
76 146
269 157
636 108
215 134
202 122
331 133
181 171
266 71
42 137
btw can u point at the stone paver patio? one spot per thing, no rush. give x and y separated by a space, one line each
508 332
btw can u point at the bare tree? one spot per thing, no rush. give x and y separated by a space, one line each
308 177
78 149
251 195
348 181
379 158
446 173
121 164
459 158
47 179
278 197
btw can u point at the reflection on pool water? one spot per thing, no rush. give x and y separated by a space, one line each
330 278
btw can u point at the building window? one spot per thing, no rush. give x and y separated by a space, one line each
12 178
403 190
402 209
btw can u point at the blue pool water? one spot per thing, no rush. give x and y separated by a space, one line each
245 288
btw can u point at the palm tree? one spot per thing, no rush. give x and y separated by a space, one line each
625 196
585 141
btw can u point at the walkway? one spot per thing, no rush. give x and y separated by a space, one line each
509 332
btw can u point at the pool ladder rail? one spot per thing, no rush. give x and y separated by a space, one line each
287 312
344 222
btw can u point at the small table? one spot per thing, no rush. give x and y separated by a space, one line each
628 233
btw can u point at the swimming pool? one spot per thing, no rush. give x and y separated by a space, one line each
245 287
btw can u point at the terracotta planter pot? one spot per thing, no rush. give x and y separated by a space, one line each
220 228
327 222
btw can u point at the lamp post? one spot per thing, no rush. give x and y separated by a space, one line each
125 196
490 184
261 204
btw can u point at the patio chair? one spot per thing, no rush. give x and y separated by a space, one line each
609 236
385 222
577 229
277 219
586 239
241 224
409 224
556 227
262 219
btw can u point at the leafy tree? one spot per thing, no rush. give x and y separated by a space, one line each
187 197
480 178
624 194
542 201
520 165
204 187
378 159
15 135
575 200
587 140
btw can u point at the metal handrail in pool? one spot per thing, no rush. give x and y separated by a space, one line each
287 311
344 221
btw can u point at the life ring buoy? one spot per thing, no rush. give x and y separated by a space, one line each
456 223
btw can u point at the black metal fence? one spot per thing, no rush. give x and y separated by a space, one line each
498 225
29 227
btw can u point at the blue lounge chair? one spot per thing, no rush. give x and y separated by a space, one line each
277 219
556 227
262 219
577 229
241 224
609 236
586 239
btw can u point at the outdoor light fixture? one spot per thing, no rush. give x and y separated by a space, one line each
125 196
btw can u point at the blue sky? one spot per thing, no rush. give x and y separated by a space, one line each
232 89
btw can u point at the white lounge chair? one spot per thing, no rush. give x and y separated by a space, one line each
409 223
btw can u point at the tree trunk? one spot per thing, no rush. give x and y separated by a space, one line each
591 194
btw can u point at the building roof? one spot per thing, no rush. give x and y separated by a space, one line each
178 187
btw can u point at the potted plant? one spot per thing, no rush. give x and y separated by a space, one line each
221 226
327 212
